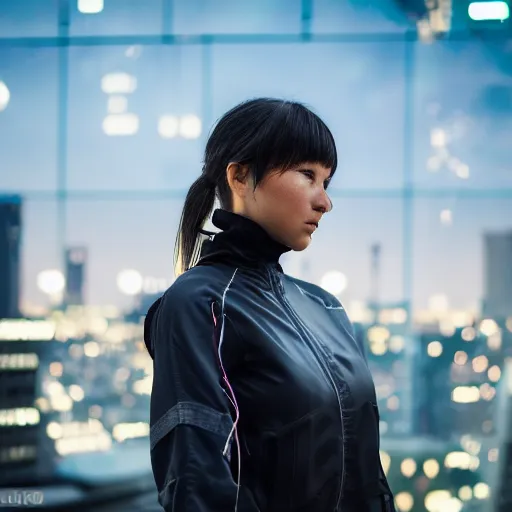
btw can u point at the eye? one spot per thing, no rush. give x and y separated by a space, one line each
327 183
309 174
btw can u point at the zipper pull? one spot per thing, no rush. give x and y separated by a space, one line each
275 278
280 284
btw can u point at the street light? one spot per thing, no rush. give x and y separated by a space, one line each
130 282
52 282
90 6
190 127
334 282
5 96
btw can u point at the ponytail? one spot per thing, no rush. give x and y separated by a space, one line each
196 210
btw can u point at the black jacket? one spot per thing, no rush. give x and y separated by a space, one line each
237 343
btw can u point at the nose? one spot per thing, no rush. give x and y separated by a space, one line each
323 203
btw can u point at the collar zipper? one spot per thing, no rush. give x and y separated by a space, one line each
316 351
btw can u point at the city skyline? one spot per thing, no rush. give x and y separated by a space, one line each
446 248
123 194
105 109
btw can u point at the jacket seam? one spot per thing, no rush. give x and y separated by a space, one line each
319 299
233 323
191 414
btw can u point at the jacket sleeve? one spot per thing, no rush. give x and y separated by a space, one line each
190 416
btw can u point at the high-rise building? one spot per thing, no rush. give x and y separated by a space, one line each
460 375
76 259
498 274
26 348
10 236
502 495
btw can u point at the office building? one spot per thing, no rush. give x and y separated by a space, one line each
498 274
76 260
25 450
10 240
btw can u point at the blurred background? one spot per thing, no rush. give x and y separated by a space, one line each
105 107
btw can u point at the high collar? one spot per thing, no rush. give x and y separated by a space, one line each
241 241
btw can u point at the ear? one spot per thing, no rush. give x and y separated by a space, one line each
239 179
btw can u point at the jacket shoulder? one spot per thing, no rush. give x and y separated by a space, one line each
195 285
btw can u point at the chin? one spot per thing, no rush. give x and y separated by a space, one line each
300 244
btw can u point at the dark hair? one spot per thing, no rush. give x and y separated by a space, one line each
264 134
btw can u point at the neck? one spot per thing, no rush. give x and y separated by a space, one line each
242 241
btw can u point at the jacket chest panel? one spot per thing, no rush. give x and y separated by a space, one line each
279 373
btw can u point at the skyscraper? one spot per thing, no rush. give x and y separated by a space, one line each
498 274
76 258
27 348
10 237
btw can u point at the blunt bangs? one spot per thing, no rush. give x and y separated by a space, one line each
291 136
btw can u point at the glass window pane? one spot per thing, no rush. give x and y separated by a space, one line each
29 18
353 17
40 251
28 122
143 85
119 235
448 250
343 243
462 107
361 98
117 17
235 17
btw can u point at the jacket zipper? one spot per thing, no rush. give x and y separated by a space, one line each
323 365
387 504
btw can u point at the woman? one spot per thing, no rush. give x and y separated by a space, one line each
262 399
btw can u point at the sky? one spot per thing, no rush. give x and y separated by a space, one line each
125 193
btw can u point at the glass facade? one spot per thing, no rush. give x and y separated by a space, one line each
105 107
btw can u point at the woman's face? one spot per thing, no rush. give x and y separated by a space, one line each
289 205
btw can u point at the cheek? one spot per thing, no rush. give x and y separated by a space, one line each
296 199
288 195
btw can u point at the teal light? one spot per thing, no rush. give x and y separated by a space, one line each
484 11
